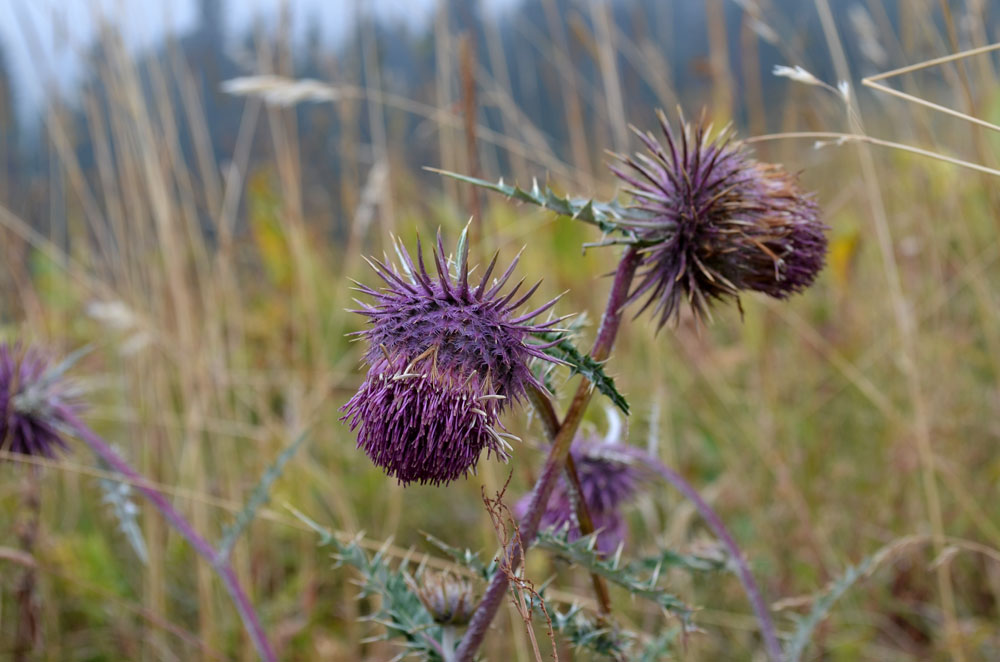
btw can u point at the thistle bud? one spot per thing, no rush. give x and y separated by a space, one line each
449 599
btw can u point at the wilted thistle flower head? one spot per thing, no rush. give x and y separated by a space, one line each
445 358
610 477
32 401
714 222
449 599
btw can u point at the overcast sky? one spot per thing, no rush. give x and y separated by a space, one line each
44 39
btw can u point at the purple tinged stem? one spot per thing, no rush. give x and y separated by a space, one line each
608 331
221 566
714 522
550 420
558 454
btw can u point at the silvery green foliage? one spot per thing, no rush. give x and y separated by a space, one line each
257 498
573 623
466 558
399 610
118 495
405 618
640 578
806 626
583 631
608 216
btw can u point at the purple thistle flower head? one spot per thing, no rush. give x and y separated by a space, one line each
611 475
445 358
715 222
32 399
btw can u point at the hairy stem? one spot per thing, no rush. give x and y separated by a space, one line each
607 332
219 564
742 570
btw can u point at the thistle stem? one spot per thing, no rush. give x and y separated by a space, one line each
448 643
550 420
742 570
607 332
27 626
219 564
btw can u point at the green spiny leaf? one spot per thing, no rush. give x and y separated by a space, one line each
465 557
583 631
822 606
582 553
257 498
668 558
602 636
660 647
399 610
583 364
605 215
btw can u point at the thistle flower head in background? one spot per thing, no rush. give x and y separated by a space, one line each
611 475
715 222
445 358
449 599
32 397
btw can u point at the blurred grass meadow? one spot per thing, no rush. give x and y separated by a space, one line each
201 243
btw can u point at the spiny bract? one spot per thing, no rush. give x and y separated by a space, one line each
713 221
445 359
449 599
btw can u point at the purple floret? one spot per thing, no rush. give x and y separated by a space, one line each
716 222
31 402
445 359
423 426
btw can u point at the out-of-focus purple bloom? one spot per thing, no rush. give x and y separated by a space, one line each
715 222
445 358
610 477
32 397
